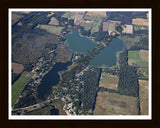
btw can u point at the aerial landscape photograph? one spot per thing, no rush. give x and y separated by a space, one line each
79 62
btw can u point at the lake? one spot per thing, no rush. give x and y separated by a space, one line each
50 79
107 56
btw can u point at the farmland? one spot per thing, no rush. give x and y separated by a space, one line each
50 77
87 25
114 104
78 17
112 25
96 14
95 27
90 25
51 29
128 29
109 81
19 85
143 94
140 21
143 54
134 55
105 26
17 68
53 21
138 58
68 15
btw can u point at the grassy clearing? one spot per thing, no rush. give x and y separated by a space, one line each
51 29
142 63
87 26
19 85
143 94
134 55
138 63
68 15
109 81
138 58
115 104
111 27
95 27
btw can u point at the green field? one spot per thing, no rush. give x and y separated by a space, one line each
51 29
19 85
111 27
142 63
133 55
95 27
135 60
68 15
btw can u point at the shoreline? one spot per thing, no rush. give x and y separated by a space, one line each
88 37
100 66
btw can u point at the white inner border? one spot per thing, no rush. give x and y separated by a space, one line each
93 117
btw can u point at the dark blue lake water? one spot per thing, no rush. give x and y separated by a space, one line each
50 79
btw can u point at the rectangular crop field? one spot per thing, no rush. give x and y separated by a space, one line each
134 55
143 94
109 81
143 54
19 85
115 104
138 58
95 27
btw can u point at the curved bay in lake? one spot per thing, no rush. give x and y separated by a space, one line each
51 79
107 56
